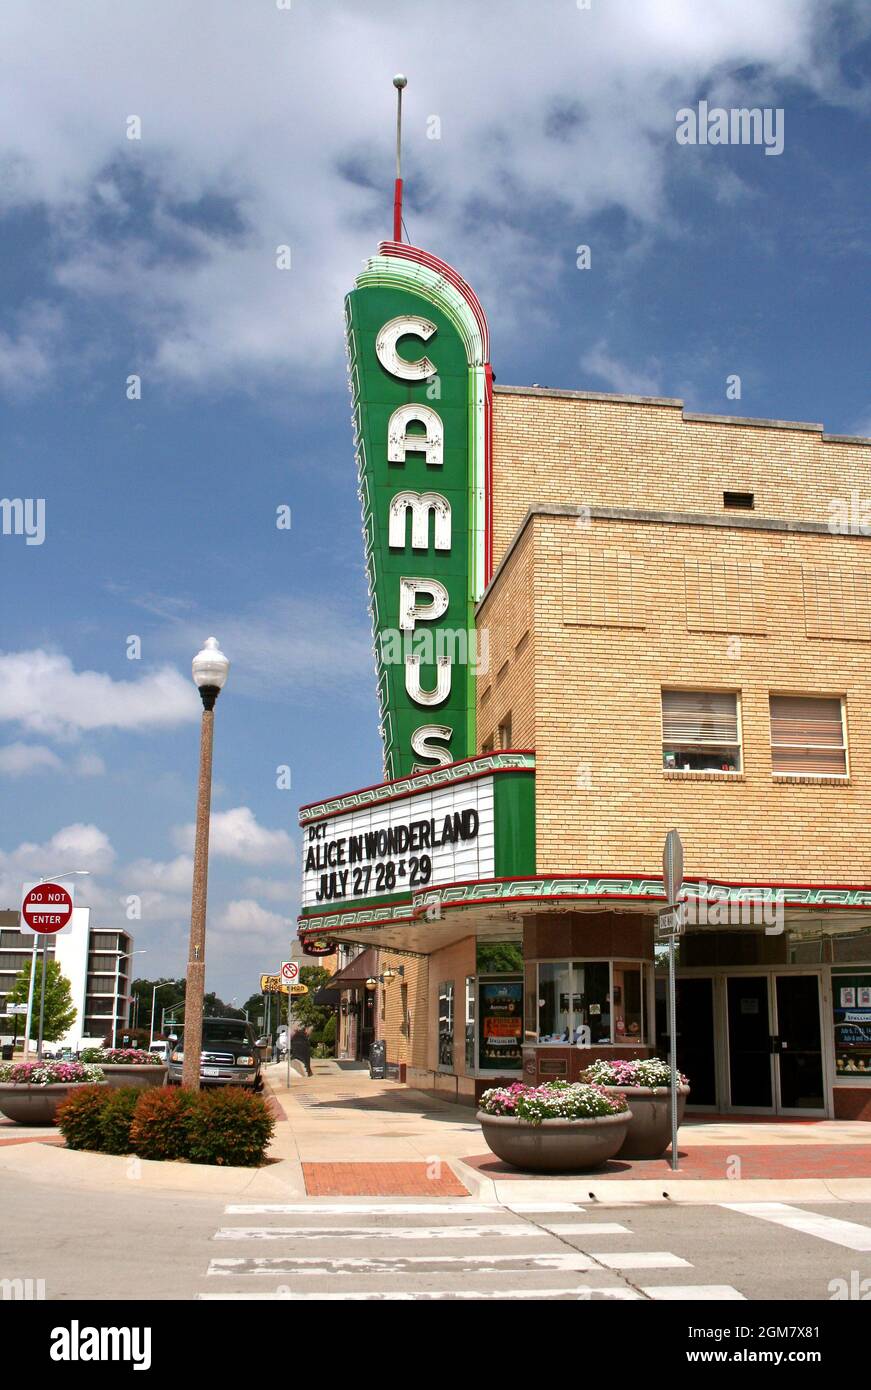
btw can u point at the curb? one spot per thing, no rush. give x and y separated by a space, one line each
653 1192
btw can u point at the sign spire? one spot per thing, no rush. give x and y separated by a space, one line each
399 82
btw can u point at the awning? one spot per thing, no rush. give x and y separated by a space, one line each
361 969
325 997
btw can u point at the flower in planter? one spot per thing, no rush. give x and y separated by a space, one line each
553 1100
49 1073
648 1071
122 1056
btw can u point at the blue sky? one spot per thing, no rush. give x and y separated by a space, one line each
263 127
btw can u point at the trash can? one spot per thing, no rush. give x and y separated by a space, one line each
378 1061
7 1052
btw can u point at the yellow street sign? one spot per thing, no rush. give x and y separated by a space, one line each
298 989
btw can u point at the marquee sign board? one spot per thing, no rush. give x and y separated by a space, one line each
478 824
421 386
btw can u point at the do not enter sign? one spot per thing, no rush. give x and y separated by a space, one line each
47 908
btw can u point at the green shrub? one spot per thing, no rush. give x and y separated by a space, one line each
161 1122
229 1126
328 1035
116 1119
79 1116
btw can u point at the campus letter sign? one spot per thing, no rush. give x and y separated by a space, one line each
421 386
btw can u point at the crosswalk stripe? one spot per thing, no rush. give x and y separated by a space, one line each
313 1265
641 1259
808 1223
517 1231
689 1293
427 1295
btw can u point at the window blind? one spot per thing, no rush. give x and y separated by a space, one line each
807 735
699 716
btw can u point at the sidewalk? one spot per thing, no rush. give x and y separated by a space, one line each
339 1123
341 1134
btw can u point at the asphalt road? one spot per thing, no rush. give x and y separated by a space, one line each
141 1246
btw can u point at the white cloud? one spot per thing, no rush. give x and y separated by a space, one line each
619 376
41 691
89 765
20 759
244 928
76 846
236 834
283 119
176 875
274 890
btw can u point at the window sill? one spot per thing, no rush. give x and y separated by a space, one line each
825 779
679 774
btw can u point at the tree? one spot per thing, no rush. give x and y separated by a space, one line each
60 1011
306 1013
255 1009
170 996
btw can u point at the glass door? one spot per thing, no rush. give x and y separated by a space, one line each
695 1038
798 1045
751 1071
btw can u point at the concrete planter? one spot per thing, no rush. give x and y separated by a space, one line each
555 1146
649 1131
142 1074
36 1105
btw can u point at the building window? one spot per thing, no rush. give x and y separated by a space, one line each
487 745
505 731
446 1025
590 1003
807 735
700 731
743 501
851 1007
470 1023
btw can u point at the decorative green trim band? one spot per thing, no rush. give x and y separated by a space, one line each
431 902
446 776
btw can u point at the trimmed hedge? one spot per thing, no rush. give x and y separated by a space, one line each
160 1124
116 1119
227 1126
79 1116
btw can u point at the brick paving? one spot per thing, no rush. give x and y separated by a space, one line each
380 1180
756 1161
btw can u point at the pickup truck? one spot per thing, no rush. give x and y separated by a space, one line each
230 1055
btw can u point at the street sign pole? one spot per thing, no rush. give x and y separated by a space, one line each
42 998
28 1027
289 1003
672 1033
672 878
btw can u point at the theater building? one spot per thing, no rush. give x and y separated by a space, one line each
596 618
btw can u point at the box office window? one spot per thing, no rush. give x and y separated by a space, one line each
701 731
590 1003
807 735
446 1025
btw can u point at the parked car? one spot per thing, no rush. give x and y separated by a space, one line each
230 1055
160 1049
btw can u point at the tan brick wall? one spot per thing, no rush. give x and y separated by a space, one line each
618 453
402 1009
603 800
454 963
507 686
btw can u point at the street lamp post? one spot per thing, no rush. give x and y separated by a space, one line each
209 669
118 959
